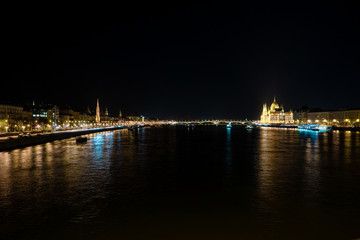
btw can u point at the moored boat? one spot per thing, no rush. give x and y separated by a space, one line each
314 127
81 139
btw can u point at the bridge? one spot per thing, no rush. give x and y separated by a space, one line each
216 122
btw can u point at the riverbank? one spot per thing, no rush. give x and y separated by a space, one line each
20 142
347 128
295 126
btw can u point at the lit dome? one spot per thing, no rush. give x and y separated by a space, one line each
274 105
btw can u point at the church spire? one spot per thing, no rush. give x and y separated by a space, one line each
97 118
88 111
274 99
265 109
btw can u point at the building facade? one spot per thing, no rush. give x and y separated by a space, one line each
14 118
45 114
347 117
275 114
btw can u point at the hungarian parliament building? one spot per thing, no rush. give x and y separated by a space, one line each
275 114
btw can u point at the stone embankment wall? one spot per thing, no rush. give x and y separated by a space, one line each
21 142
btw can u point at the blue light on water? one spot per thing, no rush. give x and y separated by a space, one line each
313 127
312 135
228 151
98 141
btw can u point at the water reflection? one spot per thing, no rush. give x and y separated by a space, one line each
290 178
286 162
347 146
98 144
312 136
142 144
304 165
228 156
268 169
5 180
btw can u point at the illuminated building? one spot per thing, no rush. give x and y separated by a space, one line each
136 118
341 117
97 118
10 112
13 118
275 114
71 118
45 113
68 115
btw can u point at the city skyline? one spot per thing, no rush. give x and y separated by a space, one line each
180 120
95 109
191 60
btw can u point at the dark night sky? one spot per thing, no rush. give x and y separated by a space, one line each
182 59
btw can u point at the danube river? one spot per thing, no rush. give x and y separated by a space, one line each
184 183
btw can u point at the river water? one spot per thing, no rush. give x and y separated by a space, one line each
184 183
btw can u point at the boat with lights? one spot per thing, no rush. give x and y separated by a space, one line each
314 127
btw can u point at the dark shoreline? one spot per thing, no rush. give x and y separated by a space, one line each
15 143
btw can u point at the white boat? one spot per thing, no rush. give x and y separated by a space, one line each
325 128
314 127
